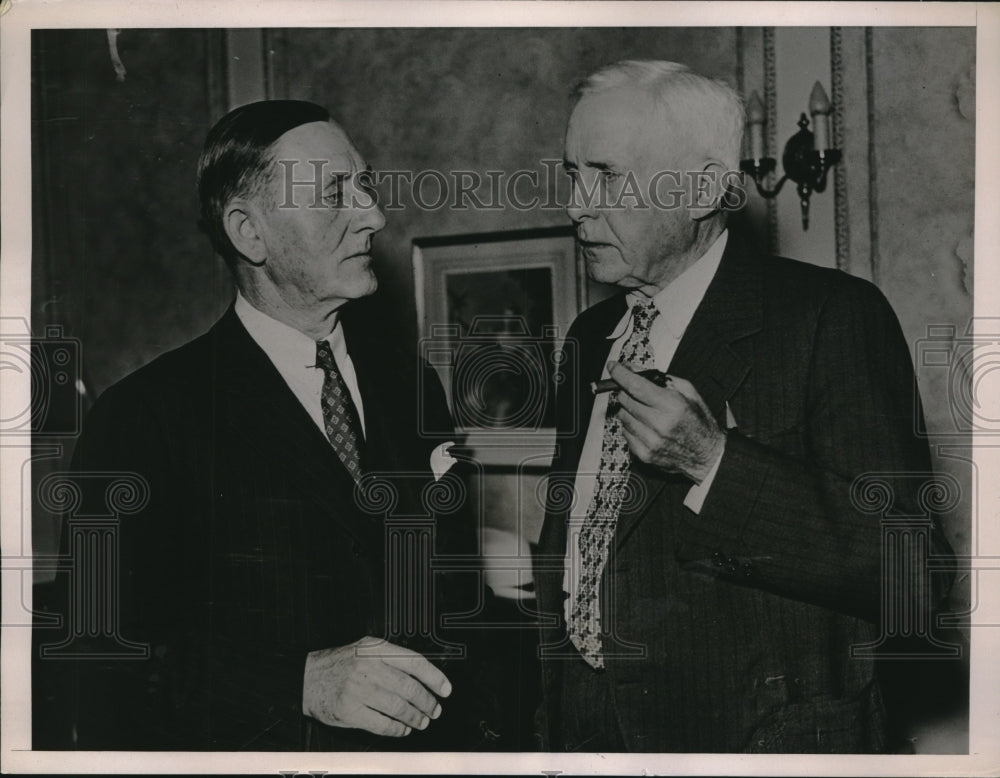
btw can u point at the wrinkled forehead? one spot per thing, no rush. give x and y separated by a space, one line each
618 125
323 141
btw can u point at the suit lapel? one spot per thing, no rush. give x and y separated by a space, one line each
263 411
395 450
709 356
587 358
729 312
373 379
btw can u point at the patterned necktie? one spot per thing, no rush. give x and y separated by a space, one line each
602 514
340 417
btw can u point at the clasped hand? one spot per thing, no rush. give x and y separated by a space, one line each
669 427
373 685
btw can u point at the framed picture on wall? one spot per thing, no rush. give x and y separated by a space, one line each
493 310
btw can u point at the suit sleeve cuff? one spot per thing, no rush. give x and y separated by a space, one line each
696 494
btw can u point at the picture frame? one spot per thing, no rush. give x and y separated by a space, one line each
493 309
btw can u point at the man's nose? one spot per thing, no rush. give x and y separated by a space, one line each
573 211
580 205
370 216
378 218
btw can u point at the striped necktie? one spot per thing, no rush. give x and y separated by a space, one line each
602 515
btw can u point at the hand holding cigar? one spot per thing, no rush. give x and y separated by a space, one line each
658 377
673 430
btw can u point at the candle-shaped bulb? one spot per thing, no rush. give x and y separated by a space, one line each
755 109
820 108
818 101
756 117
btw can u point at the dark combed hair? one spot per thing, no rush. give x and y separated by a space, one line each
236 159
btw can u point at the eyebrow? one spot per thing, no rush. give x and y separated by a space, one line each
340 176
591 164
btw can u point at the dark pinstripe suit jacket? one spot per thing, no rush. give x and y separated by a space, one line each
733 626
252 551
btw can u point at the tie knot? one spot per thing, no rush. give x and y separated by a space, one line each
643 314
324 356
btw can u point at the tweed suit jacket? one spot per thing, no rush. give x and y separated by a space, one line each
253 549
731 629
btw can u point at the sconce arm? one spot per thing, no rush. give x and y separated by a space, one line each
758 169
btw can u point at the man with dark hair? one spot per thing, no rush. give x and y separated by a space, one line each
255 569
715 584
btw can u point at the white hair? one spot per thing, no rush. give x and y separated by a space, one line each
708 112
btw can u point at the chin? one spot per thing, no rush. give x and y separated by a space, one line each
361 285
605 272
367 285
364 290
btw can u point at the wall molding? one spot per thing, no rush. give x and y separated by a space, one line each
841 210
247 68
770 144
274 44
741 78
872 160
216 77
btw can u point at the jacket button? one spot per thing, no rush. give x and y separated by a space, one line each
747 570
731 565
718 559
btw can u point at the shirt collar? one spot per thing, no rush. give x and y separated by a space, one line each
678 300
289 349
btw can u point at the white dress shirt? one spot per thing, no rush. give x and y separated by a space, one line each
294 355
676 303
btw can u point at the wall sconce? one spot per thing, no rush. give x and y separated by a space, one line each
807 155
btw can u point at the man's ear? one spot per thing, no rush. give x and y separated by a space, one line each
707 188
240 222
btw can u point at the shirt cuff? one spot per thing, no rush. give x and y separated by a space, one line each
696 494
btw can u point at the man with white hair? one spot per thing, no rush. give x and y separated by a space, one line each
708 578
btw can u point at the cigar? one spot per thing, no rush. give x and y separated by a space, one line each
658 377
